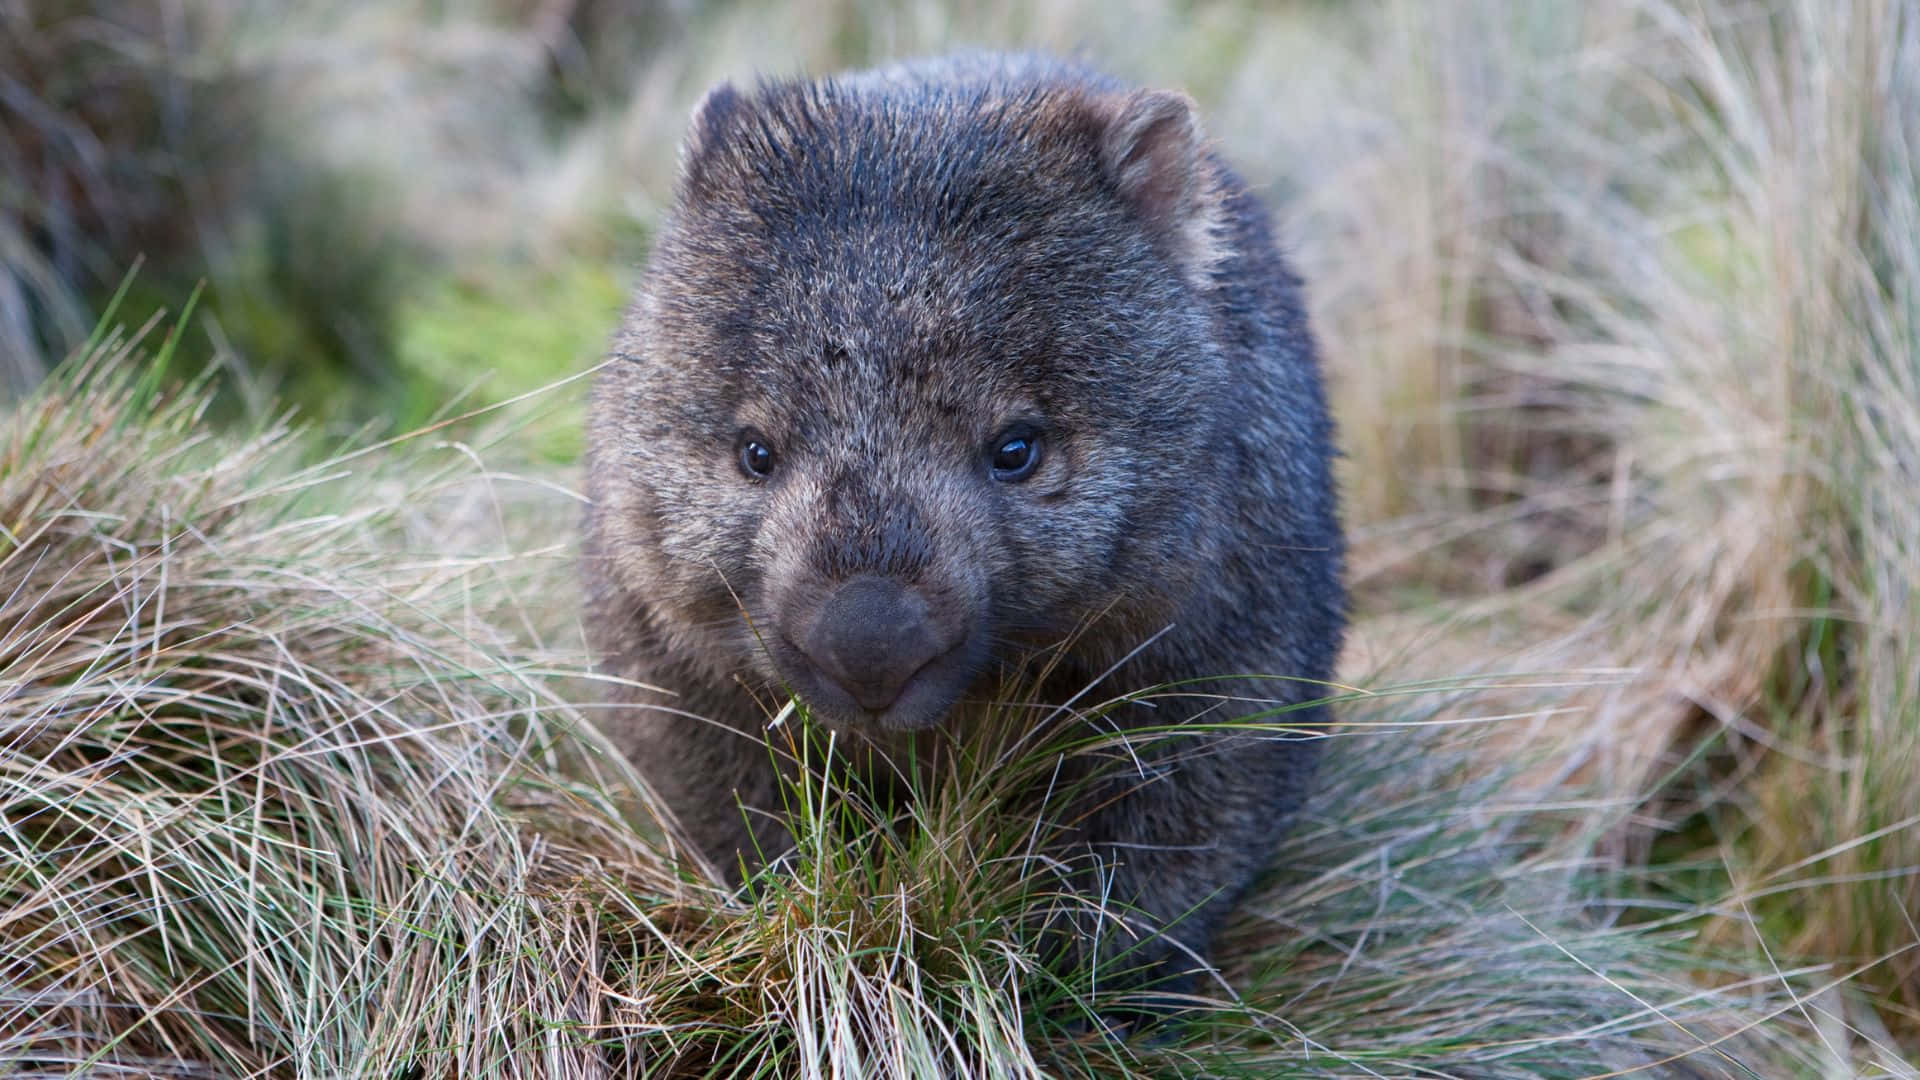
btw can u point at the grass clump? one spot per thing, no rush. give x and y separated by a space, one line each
255 768
281 796
1621 305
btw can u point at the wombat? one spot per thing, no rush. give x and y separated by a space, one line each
939 365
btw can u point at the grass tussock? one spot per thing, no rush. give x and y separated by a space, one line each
1680 337
255 768
278 798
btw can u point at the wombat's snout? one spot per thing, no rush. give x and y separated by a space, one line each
871 636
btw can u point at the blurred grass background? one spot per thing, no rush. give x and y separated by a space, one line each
1620 304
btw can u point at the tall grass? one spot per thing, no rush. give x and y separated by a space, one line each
282 795
254 765
1676 311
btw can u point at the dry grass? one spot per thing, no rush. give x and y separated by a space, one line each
256 769
1673 318
278 798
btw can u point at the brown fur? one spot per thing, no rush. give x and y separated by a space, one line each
879 277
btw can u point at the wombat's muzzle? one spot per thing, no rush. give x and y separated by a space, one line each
871 636
883 650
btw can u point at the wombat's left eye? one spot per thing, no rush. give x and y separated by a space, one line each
1015 455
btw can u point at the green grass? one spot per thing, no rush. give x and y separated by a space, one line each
468 344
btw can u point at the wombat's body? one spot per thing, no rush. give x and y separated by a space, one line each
937 366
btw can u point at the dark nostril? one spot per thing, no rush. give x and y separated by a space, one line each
872 635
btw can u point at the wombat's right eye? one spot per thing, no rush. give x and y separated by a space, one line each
756 457
1014 455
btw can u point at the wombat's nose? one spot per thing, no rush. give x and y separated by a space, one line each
871 636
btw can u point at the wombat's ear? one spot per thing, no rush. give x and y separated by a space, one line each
1157 156
713 120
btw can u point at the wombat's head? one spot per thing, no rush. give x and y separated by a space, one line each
922 373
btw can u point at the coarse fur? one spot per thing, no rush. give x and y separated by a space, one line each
877 278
